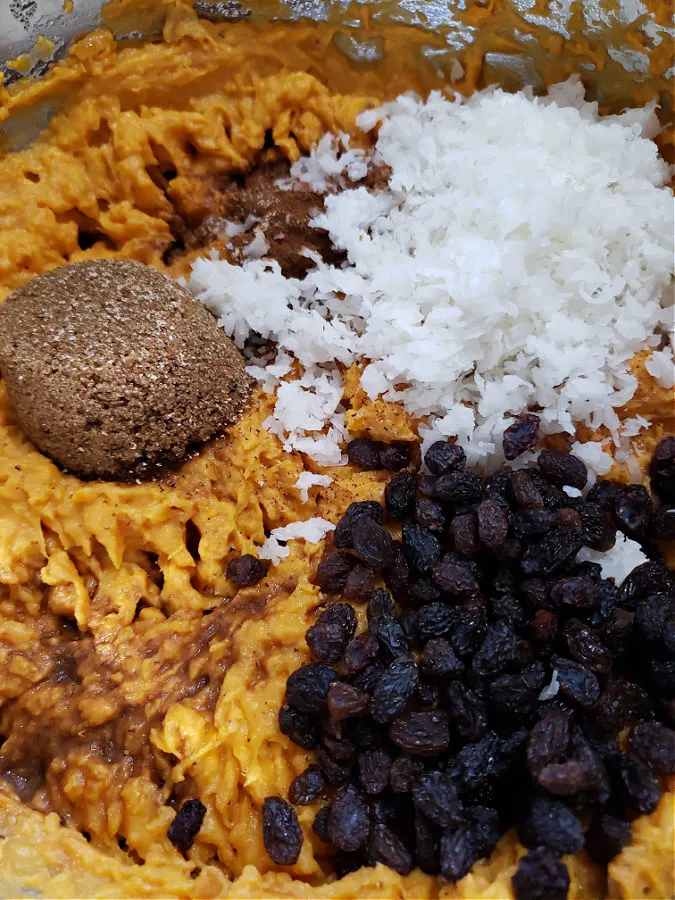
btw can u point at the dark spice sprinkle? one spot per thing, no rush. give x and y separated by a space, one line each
185 827
246 570
428 727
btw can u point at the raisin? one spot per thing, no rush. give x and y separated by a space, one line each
332 572
329 636
438 660
524 490
508 609
349 819
307 786
421 548
298 727
360 584
640 785
371 542
455 577
320 824
663 525
397 571
562 779
399 496
459 488
390 634
498 652
404 771
444 456
552 824
606 837
367 678
457 853
623 703
466 711
185 827
421 733
282 835
552 553
512 695
576 592
334 771
647 578
307 687
396 456
246 570
662 470
468 629
364 454
393 689
477 763
374 767
577 682
563 468
360 651
483 823
344 863
595 776
493 524
339 748
408 620
434 620
464 534
426 846
650 618
541 875
429 514
655 744
544 625
520 436
633 511
436 797
345 701
427 693
385 847
363 509
586 647
426 485
380 605
547 742
364 733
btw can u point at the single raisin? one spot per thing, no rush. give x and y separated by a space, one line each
399 496
282 834
436 797
371 543
651 615
333 571
576 592
458 853
429 514
577 682
455 577
444 456
320 824
562 779
363 509
334 771
423 591
655 744
329 636
385 847
246 570
663 525
551 553
185 827
345 701
552 824
563 468
483 822
404 771
298 727
606 837
464 534
439 660
548 741
633 511
466 711
349 819
544 625
426 845
498 652
380 605
493 524
459 488
393 689
307 786
421 733
421 548
374 767
662 470
468 628
307 687
360 584
397 571
650 577
641 787
360 651
396 456
586 647
364 454
541 875
524 490
434 620
390 634
521 436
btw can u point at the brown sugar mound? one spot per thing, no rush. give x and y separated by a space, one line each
113 369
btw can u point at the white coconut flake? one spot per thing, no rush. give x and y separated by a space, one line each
312 530
598 461
660 365
307 480
618 562
516 260
257 248
551 689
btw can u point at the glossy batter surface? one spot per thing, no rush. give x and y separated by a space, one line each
132 675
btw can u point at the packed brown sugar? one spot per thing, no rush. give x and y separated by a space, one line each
133 675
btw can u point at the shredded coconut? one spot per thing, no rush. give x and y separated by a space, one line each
599 462
552 688
306 480
618 562
312 530
516 260
660 365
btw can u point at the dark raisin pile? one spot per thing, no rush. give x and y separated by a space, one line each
442 725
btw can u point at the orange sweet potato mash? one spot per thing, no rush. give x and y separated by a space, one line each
132 674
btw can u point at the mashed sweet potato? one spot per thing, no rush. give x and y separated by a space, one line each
132 674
